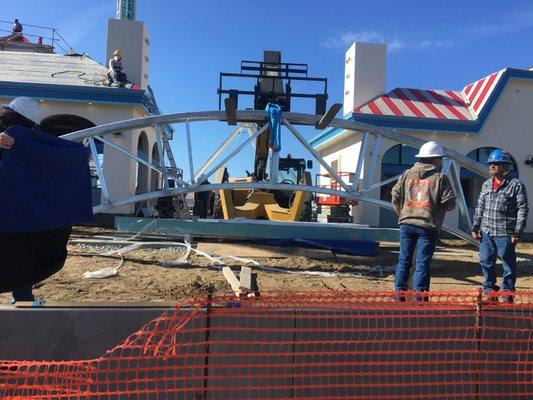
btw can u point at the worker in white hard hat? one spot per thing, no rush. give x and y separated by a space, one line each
116 72
421 198
22 111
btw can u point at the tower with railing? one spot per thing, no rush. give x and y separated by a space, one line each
32 39
126 9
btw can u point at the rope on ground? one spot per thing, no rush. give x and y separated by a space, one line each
219 261
216 261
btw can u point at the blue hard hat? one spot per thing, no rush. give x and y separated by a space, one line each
499 156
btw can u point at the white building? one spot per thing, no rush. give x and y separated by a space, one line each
73 96
495 111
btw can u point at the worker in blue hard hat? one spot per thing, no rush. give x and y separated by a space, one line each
499 220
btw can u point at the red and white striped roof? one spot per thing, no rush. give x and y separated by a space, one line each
438 104
478 92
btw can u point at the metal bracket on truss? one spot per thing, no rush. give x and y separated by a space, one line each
328 116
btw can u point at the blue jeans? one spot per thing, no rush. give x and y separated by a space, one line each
424 240
490 248
23 293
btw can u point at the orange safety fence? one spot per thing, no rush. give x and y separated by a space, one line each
333 345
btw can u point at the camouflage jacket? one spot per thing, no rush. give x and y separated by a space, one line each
424 195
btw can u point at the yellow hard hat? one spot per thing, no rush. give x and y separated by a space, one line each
117 53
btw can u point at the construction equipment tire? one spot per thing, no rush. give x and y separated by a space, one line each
216 208
307 213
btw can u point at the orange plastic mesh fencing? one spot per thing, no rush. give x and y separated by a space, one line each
307 346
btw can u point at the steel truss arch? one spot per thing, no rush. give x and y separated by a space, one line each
249 120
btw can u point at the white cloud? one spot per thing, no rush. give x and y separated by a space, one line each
511 23
396 44
345 39
430 45
504 24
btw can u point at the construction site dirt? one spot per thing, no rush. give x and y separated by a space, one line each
144 274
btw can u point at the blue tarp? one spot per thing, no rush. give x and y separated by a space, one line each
44 182
274 119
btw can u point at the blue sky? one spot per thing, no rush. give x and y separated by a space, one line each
440 45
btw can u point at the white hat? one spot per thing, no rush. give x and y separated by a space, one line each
430 149
28 108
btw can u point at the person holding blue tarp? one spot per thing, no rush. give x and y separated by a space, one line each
44 190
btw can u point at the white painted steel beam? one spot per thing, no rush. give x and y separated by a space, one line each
161 151
458 189
360 159
233 153
189 150
261 116
259 185
99 170
232 136
317 156
379 184
247 119
369 173
137 158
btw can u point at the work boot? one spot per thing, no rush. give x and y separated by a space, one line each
421 298
490 297
509 299
398 297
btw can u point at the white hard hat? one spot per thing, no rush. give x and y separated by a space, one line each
28 108
429 150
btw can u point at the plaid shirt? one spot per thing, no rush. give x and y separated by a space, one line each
503 211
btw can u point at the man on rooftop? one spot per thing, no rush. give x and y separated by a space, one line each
17 26
116 74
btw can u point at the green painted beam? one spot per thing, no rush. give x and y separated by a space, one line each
256 229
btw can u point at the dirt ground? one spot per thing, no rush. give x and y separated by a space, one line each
142 276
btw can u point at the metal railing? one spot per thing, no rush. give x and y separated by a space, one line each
44 35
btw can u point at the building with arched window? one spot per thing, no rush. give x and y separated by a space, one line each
494 111
73 94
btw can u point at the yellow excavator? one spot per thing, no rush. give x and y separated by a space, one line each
273 85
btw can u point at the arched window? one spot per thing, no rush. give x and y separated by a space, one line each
155 178
141 180
395 160
61 124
